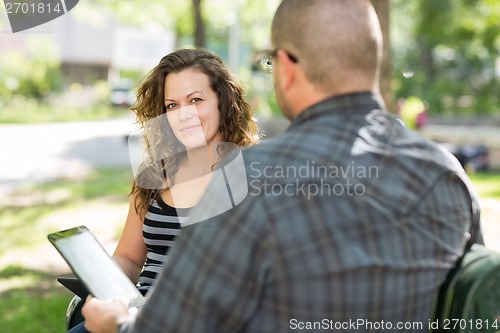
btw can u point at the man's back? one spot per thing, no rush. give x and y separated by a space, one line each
351 224
365 219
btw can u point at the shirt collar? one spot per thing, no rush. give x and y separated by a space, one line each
346 104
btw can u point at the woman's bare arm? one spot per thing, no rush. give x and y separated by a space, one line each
131 251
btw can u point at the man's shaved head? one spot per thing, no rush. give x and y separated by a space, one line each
335 40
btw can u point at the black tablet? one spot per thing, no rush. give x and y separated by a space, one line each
74 285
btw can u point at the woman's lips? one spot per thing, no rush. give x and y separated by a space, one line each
190 128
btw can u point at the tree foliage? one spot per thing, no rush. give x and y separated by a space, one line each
448 53
33 77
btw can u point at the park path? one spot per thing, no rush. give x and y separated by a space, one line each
37 153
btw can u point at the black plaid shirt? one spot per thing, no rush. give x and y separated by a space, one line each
350 224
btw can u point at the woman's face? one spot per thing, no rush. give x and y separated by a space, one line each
192 108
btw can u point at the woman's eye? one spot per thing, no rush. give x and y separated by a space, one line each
171 106
196 100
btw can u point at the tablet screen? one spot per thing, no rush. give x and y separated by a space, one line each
93 265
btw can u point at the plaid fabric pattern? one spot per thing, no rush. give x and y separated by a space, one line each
350 224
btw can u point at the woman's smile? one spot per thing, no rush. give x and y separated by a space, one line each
191 128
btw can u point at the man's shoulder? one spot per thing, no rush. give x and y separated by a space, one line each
270 147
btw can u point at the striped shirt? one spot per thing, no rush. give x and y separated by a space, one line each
351 223
162 223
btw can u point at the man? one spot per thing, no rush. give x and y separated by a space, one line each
351 221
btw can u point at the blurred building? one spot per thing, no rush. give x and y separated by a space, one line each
93 47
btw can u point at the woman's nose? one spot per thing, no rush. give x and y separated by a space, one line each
186 113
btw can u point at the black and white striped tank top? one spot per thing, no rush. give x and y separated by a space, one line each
161 225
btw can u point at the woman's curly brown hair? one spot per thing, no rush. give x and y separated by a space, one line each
236 123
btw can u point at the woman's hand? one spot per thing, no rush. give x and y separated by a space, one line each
104 317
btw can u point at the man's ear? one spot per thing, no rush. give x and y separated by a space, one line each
287 70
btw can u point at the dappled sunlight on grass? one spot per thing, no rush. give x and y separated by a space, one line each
15 277
31 302
20 227
30 298
23 212
487 184
33 112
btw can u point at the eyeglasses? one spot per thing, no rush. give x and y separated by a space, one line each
265 59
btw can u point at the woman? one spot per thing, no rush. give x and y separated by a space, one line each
187 106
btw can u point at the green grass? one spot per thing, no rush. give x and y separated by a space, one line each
487 184
102 182
31 112
35 305
32 300
23 311
30 205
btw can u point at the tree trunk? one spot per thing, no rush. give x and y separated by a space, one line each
199 26
427 59
382 7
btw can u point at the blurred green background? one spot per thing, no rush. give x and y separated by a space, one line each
446 53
